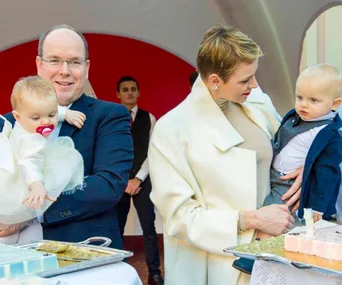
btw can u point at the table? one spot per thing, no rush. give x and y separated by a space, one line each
119 273
113 274
270 272
267 273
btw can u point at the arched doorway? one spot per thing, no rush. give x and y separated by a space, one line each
322 42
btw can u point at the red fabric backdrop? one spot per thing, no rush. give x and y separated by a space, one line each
162 76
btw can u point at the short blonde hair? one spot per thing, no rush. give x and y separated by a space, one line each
33 84
326 77
223 49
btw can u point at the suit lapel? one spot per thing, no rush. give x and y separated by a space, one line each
81 105
320 142
288 115
323 138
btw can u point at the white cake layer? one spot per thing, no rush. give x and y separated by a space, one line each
326 243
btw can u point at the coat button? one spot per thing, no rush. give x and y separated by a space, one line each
62 214
68 213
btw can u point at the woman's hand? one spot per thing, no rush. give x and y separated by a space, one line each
293 194
274 219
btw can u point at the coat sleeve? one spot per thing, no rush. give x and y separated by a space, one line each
178 199
61 113
328 177
112 162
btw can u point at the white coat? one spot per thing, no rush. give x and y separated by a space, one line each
201 180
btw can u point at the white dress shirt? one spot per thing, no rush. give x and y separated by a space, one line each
144 170
61 118
293 155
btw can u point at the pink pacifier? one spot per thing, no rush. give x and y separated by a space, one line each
45 130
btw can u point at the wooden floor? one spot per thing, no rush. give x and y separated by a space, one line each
135 244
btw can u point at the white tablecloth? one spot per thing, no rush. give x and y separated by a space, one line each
114 274
267 272
273 273
119 273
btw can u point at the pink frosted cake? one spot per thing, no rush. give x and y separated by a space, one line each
325 243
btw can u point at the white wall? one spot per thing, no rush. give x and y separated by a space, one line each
334 36
311 45
178 26
333 39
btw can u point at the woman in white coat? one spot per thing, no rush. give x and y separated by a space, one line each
209 163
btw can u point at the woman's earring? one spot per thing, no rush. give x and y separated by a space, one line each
215 88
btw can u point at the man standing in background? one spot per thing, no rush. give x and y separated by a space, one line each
139 184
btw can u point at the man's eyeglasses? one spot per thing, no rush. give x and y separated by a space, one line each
72 64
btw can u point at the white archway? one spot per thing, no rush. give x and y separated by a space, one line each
320 43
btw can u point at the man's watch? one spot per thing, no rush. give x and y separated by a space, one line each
137 178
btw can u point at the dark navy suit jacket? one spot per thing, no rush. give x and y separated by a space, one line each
106 146
322 174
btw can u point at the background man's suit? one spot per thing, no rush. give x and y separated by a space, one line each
141 130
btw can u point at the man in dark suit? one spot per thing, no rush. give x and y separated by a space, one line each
139 184
104 142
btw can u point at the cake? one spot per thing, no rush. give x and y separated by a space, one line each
325 243
19 261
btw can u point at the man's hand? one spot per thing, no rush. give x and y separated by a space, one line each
293 194
37 195
75 118
133 186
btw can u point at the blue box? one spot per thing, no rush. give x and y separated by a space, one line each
20 261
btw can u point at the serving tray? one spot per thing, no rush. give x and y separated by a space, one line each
301 261
112 255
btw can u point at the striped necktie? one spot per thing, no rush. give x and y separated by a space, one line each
130 113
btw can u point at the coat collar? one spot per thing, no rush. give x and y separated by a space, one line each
135 109
257 110
293 111
82 105
212 121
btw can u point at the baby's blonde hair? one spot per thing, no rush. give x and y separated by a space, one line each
324 76
34 85
223 49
